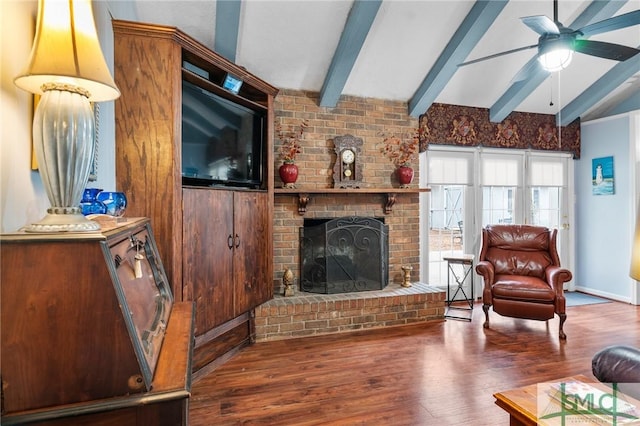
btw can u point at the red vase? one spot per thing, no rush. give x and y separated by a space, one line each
405 175
289 174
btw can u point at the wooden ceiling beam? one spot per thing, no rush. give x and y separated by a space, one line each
356 29
475 25
227 27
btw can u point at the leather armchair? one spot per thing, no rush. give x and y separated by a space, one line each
522 275
619 364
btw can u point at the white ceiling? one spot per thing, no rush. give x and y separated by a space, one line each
290 44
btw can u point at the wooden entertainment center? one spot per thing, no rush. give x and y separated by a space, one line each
215 241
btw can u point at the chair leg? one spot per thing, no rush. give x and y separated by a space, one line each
563 318
485 308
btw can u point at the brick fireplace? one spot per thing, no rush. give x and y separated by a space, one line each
367 119
403 224
308 314
364 118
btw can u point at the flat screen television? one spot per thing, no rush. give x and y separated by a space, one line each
223 142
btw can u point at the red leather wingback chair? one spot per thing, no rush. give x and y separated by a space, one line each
522 274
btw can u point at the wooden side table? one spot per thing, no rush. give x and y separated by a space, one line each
460 268
522 405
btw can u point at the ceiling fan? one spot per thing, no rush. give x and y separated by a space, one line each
557 43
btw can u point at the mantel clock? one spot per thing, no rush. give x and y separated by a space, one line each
347 170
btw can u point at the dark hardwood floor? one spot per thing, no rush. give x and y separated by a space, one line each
444 373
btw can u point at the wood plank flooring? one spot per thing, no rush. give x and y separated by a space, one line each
443 373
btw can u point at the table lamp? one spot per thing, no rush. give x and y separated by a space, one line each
67 68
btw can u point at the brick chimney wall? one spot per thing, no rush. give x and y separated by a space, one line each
369 119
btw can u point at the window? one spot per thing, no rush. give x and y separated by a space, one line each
450 176
501 187
510 187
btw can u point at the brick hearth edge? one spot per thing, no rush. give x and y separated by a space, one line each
307 314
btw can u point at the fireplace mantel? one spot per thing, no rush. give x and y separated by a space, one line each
304 194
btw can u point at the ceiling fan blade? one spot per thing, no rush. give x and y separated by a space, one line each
528 70
601 49
615 23
495 55
541 24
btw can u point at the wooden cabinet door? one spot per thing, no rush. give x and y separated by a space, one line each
251 257
208 255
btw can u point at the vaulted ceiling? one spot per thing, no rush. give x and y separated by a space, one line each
410 50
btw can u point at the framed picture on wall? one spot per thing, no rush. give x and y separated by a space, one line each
602 176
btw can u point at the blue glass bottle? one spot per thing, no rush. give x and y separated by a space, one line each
115 202
90 204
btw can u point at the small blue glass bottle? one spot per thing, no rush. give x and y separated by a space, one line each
115 202
90 204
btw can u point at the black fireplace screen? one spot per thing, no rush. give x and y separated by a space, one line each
344 255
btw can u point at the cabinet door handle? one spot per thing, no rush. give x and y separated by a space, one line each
230 242
236 239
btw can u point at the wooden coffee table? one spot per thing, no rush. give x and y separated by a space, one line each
522 403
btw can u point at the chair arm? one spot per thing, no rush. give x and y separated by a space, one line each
557 276
617 364
486 269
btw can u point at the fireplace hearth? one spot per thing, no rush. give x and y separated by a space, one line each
344 255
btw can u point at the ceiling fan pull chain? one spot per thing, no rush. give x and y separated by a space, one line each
559 121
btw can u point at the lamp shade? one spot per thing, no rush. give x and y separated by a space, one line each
66 50
634 271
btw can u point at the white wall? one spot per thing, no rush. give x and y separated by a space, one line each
605 223
22 196
634 160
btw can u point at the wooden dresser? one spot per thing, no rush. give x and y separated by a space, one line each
90 333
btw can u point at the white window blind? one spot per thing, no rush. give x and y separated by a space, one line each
500 171
547 171
449 168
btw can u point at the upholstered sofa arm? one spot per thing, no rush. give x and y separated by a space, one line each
617 364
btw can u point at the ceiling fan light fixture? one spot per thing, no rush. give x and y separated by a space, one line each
555 54
556 60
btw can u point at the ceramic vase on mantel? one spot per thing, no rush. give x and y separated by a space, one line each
289 174
405 176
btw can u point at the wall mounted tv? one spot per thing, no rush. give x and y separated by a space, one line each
223 142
